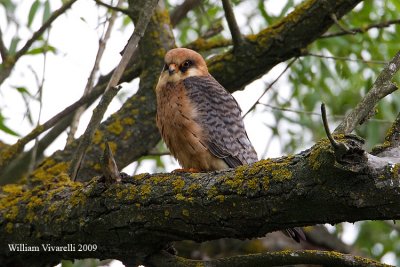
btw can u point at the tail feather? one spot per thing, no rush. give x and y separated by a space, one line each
296 233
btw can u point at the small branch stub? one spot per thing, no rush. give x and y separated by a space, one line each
334 144
351 156
109 166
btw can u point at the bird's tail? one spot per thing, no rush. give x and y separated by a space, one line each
296 233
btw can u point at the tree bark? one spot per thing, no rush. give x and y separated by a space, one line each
143 214
134 122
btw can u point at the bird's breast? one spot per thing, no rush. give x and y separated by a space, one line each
176 120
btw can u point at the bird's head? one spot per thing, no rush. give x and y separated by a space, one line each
181 63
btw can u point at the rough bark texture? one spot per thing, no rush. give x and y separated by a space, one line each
141 215
134 122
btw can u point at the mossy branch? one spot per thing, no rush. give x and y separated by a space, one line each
271 46
281 41
323 258
382 87
98 113
139 216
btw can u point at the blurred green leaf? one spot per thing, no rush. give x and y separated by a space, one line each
46 11
6 129
41 50
13 46
22 90
32 12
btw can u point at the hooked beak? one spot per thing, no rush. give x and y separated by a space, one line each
171 69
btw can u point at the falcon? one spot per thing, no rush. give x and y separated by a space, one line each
199 120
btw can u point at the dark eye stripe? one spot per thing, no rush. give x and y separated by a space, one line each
185 66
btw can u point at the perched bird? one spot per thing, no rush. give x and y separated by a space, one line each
198 119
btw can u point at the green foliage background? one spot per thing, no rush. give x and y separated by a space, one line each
340 82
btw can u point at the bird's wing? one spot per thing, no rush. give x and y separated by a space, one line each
220 117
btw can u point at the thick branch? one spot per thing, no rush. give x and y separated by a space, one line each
181 11
323 258
98 112
279 42
140 216
9 154
271 46
381 88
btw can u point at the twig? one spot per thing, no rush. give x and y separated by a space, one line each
110 91
270 86
3 48
43 28
86 139
114 8
232 23
181 11
381 88
345 58
89 85
334 144
313 257
40 84
314 113
379 25
11 152
334 18
11 63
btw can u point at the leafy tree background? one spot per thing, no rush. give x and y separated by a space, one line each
337 69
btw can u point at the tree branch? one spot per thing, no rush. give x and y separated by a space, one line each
89 85
114 8
380 25
334 18
393 135
272 45
43 28
12 60
381 88
86 139
345 58
10 153
284 258
141 215
99 111
232 23
181 11
392 141
270 86
281 41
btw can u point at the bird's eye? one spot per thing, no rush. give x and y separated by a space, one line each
187 64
